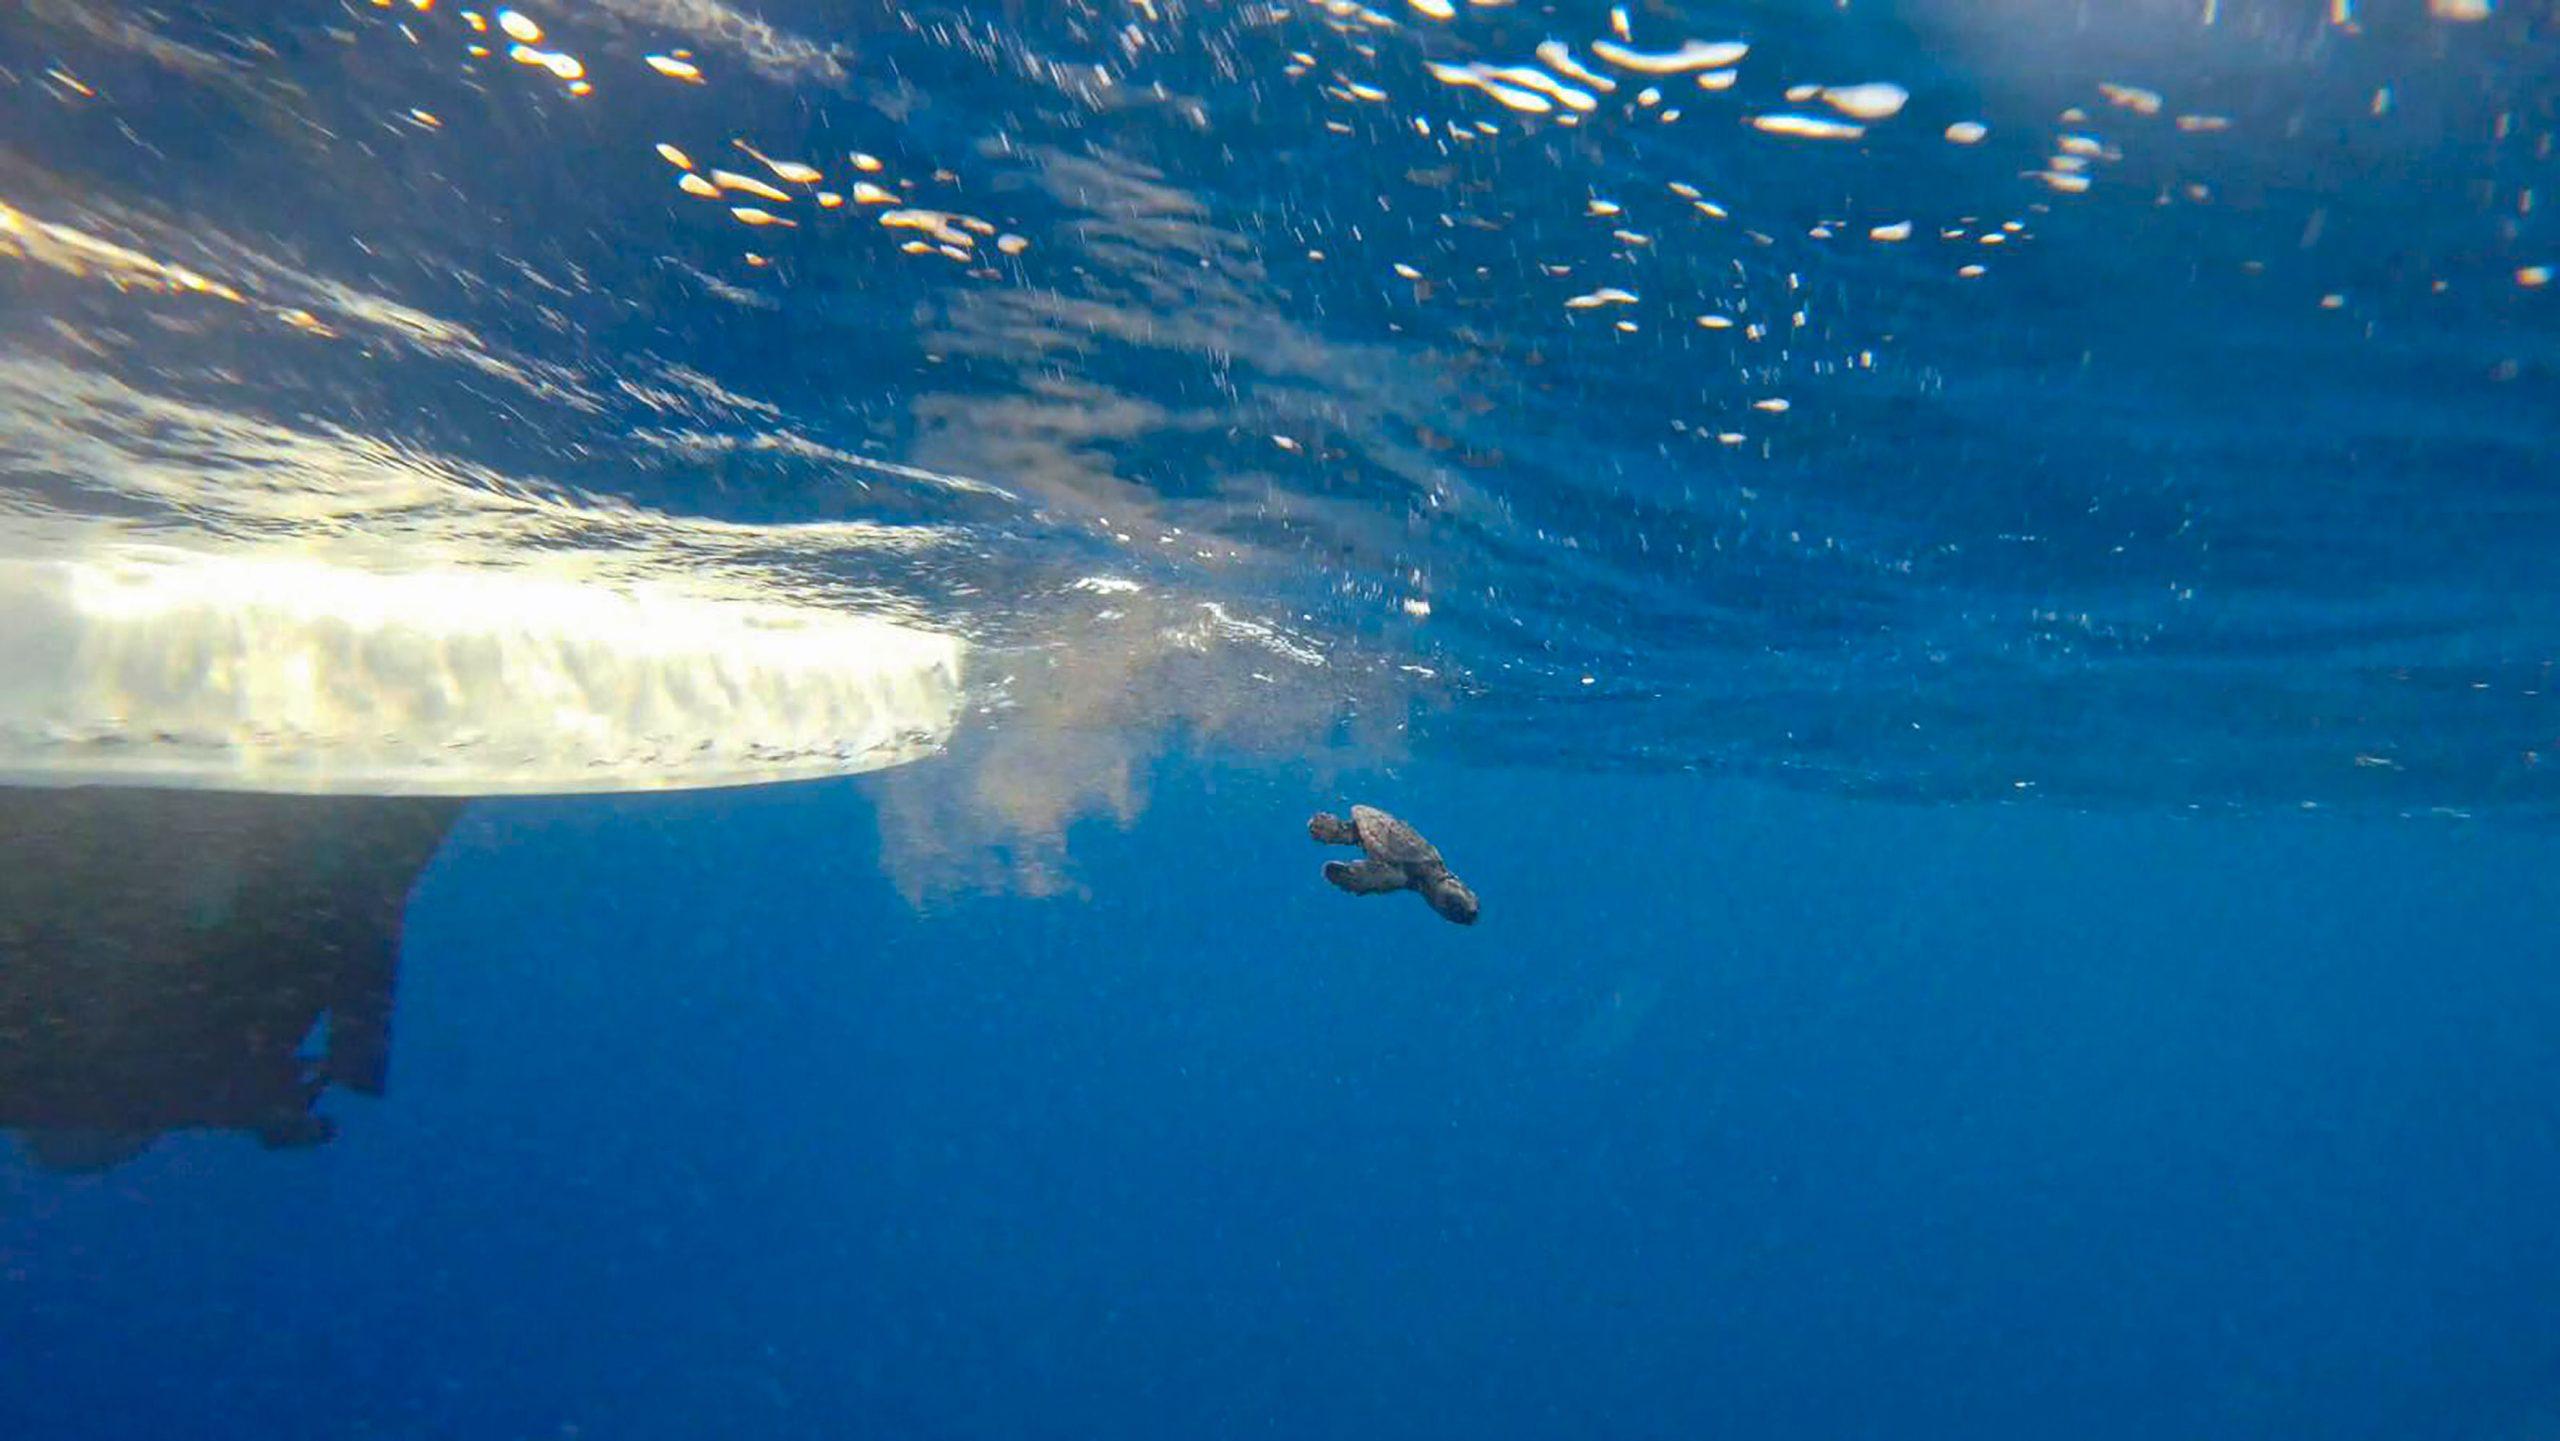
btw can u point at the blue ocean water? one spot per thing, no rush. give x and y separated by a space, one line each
1800 1117
1971 584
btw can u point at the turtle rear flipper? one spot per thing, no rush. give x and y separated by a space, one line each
1366 878
1332 829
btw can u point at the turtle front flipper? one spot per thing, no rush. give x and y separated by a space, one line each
1367 878
1332 829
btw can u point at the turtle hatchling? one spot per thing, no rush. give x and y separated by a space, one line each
1399 859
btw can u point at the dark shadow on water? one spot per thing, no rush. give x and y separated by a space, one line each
174 960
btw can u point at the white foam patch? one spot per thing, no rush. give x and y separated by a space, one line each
145 665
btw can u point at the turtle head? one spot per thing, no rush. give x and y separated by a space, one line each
1451 898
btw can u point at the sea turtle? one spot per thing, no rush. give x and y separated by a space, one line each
1399 859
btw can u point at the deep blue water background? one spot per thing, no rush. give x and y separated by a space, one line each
1772 1115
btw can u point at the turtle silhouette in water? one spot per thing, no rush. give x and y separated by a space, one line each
1399 859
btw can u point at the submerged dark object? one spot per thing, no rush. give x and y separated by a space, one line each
1399 859
166 955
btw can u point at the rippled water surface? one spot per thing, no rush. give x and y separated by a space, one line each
2149 404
